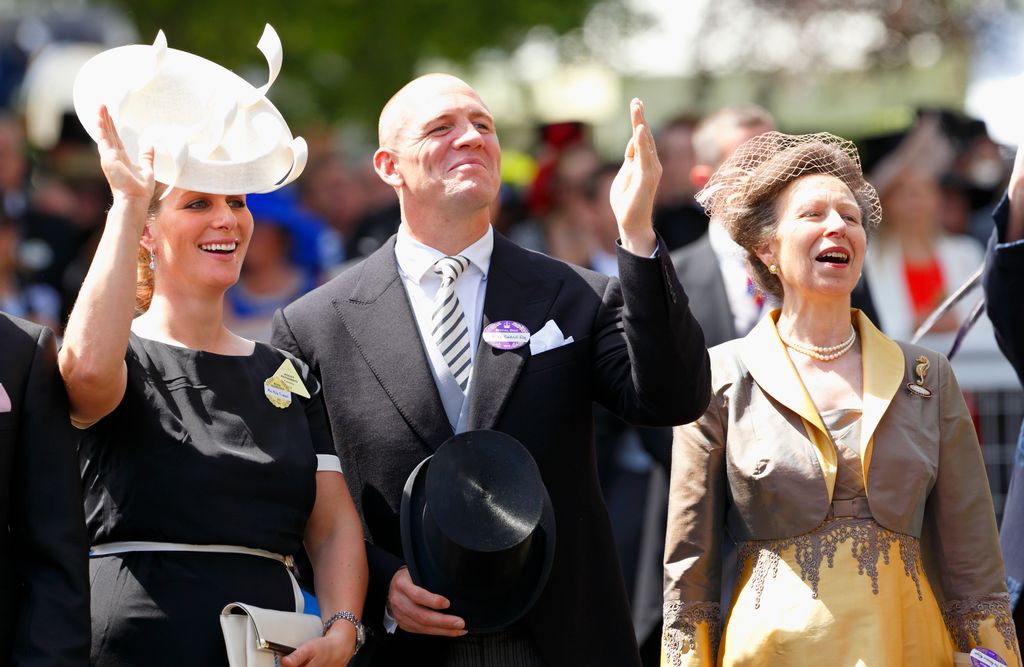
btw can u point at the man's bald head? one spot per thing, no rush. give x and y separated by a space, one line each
440 152
396 113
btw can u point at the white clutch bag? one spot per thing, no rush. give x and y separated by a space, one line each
255 637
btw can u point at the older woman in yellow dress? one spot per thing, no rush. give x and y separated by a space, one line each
844 464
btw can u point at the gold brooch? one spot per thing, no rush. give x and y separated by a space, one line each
920 370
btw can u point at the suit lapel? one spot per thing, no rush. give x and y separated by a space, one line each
518 291
769 364
883 372
379 318
713 306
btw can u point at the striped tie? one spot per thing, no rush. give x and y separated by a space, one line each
450 331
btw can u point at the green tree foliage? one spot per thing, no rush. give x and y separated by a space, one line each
887 33
344 58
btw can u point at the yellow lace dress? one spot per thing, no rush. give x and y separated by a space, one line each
848 593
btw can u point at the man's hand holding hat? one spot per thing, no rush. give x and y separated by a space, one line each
478 535
415 609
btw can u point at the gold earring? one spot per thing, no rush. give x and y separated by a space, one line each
772 269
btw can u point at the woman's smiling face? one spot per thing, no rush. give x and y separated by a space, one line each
820 240
200 239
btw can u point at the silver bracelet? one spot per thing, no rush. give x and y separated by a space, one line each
351 618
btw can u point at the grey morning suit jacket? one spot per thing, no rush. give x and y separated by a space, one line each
637 351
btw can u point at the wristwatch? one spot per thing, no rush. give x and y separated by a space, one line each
351 618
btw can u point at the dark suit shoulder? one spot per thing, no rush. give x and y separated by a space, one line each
13 329
550 267
696 256
364 281
22 342
592 278
321 296
698 247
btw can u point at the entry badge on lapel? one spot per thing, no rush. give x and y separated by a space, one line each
506 335
280 386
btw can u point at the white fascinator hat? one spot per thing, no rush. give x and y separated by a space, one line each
212 131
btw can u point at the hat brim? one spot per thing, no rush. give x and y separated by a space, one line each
482 610
189 108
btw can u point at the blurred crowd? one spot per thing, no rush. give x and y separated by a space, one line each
938 182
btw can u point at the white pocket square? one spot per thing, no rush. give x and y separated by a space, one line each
548 338
5 400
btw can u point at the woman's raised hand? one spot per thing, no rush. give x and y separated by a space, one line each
127 180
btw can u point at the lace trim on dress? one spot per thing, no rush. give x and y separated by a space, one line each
964 617
681 621
868 542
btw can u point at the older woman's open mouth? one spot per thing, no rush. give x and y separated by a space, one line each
833 256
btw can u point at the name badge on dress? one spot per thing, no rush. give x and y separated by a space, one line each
280 386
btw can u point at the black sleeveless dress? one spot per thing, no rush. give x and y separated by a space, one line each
196 454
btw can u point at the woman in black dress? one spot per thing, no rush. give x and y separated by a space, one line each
207 459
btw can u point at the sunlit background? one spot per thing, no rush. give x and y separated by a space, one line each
855 67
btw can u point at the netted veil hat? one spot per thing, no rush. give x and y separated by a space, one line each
763 165
212 131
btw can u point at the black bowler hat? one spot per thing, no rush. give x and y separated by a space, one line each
479 529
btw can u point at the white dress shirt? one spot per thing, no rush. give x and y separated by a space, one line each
415 268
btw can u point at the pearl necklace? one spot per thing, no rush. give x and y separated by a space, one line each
823 353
